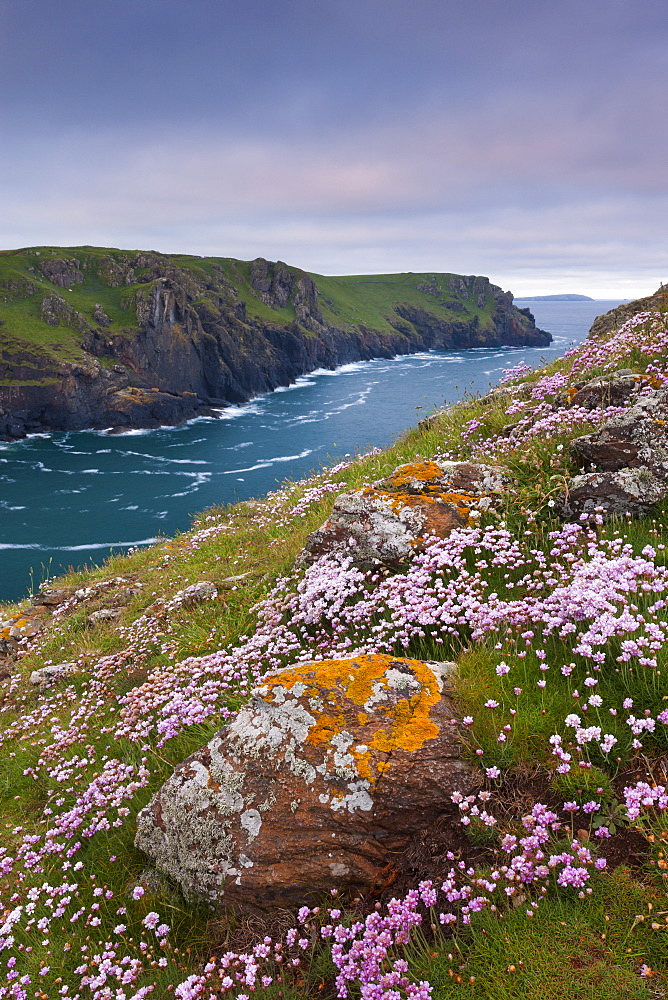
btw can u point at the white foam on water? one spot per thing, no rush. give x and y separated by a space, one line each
232 412
130 432
199 478
269 462
173 461
79 548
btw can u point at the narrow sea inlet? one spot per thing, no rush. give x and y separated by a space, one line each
72 498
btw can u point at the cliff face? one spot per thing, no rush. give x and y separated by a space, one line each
94 338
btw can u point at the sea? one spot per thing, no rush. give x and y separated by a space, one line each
71 499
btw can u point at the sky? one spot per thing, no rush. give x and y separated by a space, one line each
518 139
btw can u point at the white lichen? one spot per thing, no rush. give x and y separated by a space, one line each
251 822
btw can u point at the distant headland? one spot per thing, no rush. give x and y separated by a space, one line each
562 297
93 337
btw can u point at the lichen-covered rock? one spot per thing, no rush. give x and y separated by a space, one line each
611 390
637 437
48 675
470 480
104 615
629 459
331 769
387 522
50 598
20 626
625 491
196 593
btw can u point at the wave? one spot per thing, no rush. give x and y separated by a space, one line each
174 461
77 548
231 412
268 462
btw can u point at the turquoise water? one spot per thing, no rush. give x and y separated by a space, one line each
69 499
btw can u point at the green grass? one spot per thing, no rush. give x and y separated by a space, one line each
570 948
368 299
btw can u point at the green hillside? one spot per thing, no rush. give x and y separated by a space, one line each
115 280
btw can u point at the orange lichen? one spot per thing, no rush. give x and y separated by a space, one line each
326 727
424 472
363 763
406 722
462 502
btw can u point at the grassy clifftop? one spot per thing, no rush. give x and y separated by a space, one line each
87 279
93 337
559 630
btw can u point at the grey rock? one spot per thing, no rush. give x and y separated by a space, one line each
104 615
48 675
196 593
613 390
625 491
637 437
388 522
232 581
100 316
51 598
63 273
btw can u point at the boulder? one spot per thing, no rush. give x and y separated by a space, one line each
637 437
49 598
387 522
613 390
196 593
629 459
122 588
21 626
100 316
48 675
328 772
625 491
104 615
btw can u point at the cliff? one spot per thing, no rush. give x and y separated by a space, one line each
94 337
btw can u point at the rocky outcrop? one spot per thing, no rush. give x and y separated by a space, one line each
614 319
627 457
192 343
330 770
115 594
397 516
612 390
637 437
626 491
63 273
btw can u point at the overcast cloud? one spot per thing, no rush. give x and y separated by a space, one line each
518 140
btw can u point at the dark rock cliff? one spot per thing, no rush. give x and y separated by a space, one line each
194 343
